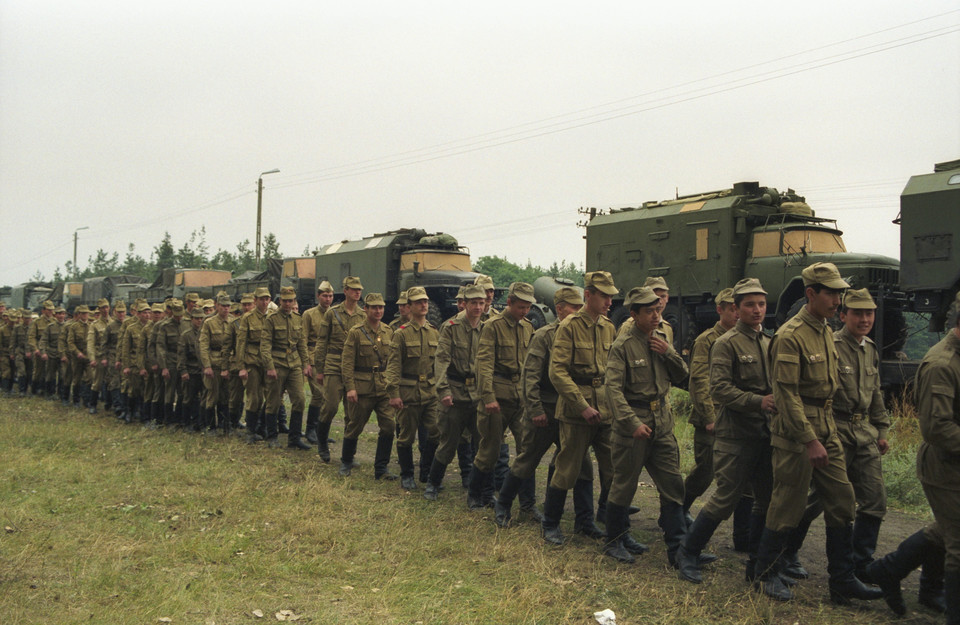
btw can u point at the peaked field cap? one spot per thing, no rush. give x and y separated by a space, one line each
522 291
81 309
174 306
59 309
261 291
567 295
246 298
825 274
602 281
859 298
207 303
192 297
143 307
415 293
352 282
724 297
642 296
224 300
656 282
373 299
460 293
325 287
402 298
196 313
103 302
474 291
288 292
120 306
48 305
747 286
484 281
159 308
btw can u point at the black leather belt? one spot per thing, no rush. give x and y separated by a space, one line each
335 352
419 378
646 405
584 381
846 416
503 376
817 402
468 380
373 369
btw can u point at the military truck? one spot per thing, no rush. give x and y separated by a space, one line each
394 261
29 295
178 282
67 294
705 242
250 281
300 273
108 287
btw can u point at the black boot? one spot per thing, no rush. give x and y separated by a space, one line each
844 584
893 567
434 480
508 492
465 461
674 527
741 524
866 528
323 430
931 579
583 512
427 451
617 527
502 467
698 535
293 436
405 456
790 559
768 581
224 421
553 501
253 424
476 498
282 420
347 451
602 504
528 498
382 458
94 398
313 417
951 591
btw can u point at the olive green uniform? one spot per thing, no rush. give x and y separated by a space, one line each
456 379
34 334
332 333
363 367
188 362
312 319
111 344
95 353
49 345
283 348
76 347
213 335
132 357
168 333
247 356
704 413
6 353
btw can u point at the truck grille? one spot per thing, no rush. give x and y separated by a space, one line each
888 277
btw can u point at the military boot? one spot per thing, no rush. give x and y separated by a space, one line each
270 429
253 422
502 467
382 458
951 591
866 529
893 567
617 528
790 559
347 451
931 579
741 524
697 537
282 420
465 461
313 417
767 579
553 502
434 480
94 399
405 456
843 583
504 502
294 440
475 490
323 448
583 512
528 499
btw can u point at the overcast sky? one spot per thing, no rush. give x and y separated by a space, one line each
492 121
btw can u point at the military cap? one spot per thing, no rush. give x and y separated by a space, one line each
143 307
522 291
14 314
235 308
858 298
602 281
224 300
196 313
80 309
48 305
221 293
747 286
325 287
656 282
59 309
103 302
261 291
567 295
825 274
415 293
460 293
246 298
175 307
139 301
402 298
474 291
352 282
207 303
159 308
287 292
167 300
642 295
485 281
724 297
192 297
120 306
373 299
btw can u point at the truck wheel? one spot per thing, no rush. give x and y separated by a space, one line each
894 333
536 317
618 315
434 316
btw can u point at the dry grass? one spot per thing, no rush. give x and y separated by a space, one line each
108 523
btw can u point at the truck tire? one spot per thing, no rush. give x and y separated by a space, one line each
619 314
434 316
536 317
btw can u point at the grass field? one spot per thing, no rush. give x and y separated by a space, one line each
113 523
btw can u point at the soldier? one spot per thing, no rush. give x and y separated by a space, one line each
456 384
363 367
191 371
111 346
403 311
925 548
659 286
50 353
66 373
862 425
578 364
209 308
249 362
703 417
311 328
20 351
76 353
487 283
938 409
130 321
740 383
283 353
541 428
216 373
96 354
229 357
503 347
337 321
154 388
168 333
132 359
805 444
411 384
34 335
641 366
6 352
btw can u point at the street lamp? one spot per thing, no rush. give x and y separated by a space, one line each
259 207
75 272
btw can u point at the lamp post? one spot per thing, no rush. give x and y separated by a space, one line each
75 272
260 207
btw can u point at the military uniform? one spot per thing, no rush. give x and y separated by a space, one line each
311 328
49 347
155 385
283 350
6 352
213 335
111 351
190 372
36 332
19 353
97 359
76 348
249 335
66 372
132 362
168 333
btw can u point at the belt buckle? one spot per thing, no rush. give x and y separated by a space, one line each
596 382
515 377
422 377
655 405
469 381
376 368
855 417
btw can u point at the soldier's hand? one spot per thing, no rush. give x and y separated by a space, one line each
319 378
540 421
883 446
63 359
709 427
397 403
43 357
81 356
166 374
493 407
308 371
272 374
117 365
103 363
243 374
225 374
658 345
126 371
817 454
143 373
767 404
155 368
185 377
643 431
447 401
208 372
352 397
28 355
93 364
591 415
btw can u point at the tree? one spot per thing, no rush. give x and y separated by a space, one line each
102 264
164 255
135 264
271 247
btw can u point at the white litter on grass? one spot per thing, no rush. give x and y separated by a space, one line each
605 617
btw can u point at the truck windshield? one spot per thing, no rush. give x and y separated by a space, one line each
435 261
796 241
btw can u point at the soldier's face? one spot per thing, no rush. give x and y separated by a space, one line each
196 321
121 315
374 313
246 307
565 309
728 314
664 296
647 318
597 302
263 302
474 307
144 316
752 309
325 299
352 294
286 305
157 316
61 316
518 308
859 321
419 308
824 305
404 310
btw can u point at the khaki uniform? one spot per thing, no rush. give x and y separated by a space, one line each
19 353
363 367
111 345
410 377
457 379
311 328
213 334
132 350
332 333
66 371
283 348
49 345
578 364
95 353
235 392
804 376
6 350
168 333
77 344
704 413
938 467
34 334
249 335
188 362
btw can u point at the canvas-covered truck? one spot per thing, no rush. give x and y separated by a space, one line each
704 243
178 282
29 295
394 261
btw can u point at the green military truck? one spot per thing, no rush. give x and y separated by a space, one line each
29 295
394 261
706 242
178 282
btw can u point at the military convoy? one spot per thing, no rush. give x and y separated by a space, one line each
178 282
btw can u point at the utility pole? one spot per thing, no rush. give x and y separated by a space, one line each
76 273
260 207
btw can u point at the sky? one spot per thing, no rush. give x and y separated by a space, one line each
492 121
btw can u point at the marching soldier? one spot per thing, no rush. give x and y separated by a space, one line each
216 373
486 282
151 407
229 357
132 359
36 331
191 371
50 353
403 311
659 286
6 351
311 328
363 366
283 354
168 333
20 351
111 348
76 353
249 362
99 364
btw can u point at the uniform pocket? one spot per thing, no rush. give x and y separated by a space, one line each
583 355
